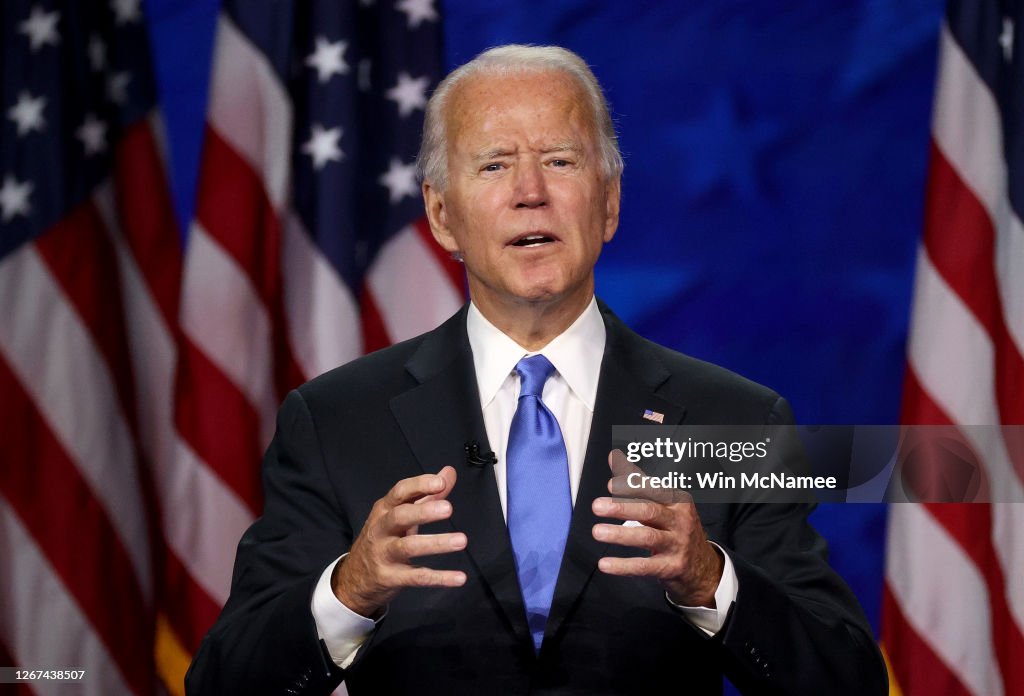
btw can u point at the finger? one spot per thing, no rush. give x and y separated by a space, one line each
646 512
428 577
411 489
652 567
409 547
641 537
449 476
630 481
642 489
399 520
620 465
621 469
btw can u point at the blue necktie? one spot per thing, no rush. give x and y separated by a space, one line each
539 502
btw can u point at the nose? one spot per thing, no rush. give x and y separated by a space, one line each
531 187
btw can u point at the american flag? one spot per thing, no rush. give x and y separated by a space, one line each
140 373
88 274
953 605
307 248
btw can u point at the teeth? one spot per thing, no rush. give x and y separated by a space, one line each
533 239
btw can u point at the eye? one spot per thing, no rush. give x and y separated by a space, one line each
492 167
560 163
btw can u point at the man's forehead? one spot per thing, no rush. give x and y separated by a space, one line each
477 102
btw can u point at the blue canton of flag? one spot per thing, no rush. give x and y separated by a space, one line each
75 73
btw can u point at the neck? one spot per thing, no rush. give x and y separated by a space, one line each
533 325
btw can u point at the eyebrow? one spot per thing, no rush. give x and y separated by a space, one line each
492 153
504 152
561 147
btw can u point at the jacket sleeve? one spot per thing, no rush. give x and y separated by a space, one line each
265 640
795 628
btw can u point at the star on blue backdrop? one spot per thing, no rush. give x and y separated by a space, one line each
772 198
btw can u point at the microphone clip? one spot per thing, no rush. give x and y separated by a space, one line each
474 457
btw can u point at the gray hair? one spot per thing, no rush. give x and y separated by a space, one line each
515 59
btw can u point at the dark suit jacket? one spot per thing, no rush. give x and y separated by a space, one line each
346 437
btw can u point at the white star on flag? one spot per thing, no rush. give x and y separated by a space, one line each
117 87
41 28
409 93
14 198
126 11
28 113
418 10
322 146
97 53
328 58
400 180
93 134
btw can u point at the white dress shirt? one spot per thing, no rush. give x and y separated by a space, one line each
570 393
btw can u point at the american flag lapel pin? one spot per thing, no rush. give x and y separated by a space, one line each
654 416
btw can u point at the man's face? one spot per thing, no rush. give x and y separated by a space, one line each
527 203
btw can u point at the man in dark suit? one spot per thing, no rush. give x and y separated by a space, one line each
534 584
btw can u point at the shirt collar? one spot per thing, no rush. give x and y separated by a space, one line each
576 354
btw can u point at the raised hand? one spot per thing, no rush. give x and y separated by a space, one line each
682 559
379 563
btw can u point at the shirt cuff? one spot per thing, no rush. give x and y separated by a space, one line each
710 620
342 630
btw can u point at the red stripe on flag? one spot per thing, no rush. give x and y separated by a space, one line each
287 373
49 495
234 210
147 217
217 421
925 479
960 239
82 259
916 668
452 268
375 334
918 407
190 611
971 527
84 264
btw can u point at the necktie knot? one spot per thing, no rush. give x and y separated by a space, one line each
533 373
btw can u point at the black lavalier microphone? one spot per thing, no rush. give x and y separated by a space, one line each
474 457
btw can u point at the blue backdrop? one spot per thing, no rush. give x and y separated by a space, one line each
772 199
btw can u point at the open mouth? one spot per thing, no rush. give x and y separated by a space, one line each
532 240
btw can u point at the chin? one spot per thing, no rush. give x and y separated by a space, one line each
544 293
537 296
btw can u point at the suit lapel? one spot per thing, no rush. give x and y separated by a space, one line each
438 417
628 384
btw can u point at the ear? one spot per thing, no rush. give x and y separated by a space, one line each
437 216
613 194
